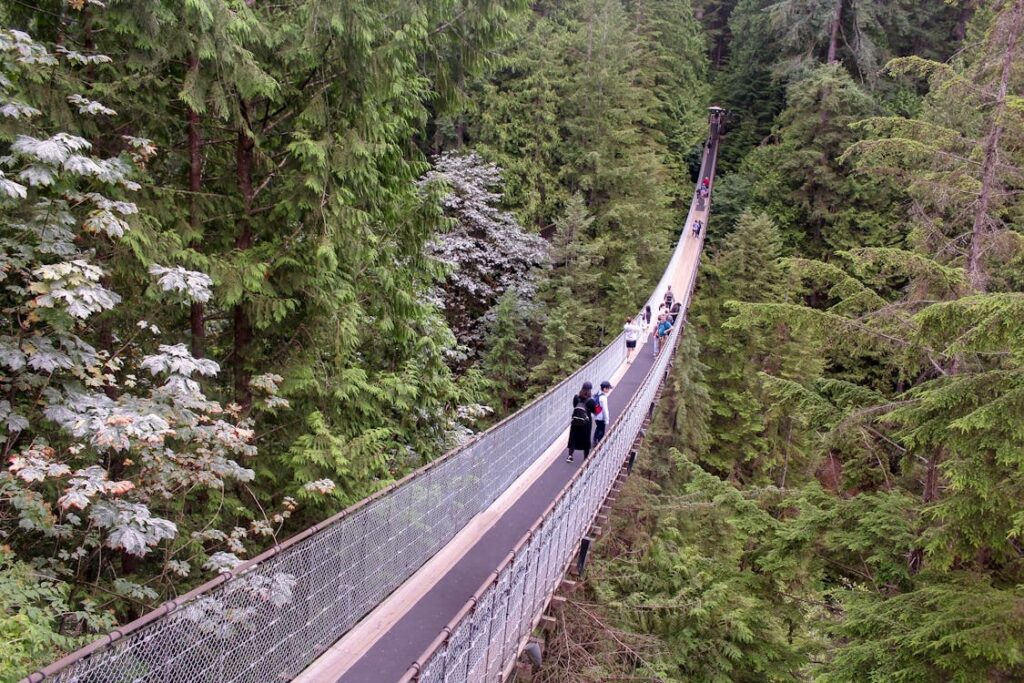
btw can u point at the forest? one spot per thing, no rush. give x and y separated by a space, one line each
259 261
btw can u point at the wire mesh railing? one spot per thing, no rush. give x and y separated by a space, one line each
484 639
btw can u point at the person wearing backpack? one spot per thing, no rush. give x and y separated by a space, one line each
583 406
677 308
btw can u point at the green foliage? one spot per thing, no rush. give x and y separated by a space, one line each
955 627
594 115
560 336
269 146
820 206
746 441
34 608
504 362
695 585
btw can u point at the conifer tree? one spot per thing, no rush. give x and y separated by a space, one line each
268 145
696 586
745 268
941 335
504 362
800 181
686 408
563 344
575 270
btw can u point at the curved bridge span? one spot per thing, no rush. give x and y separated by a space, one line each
442 576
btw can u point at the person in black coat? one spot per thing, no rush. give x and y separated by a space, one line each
583 407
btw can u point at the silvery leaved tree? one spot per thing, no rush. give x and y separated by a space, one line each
486 250
114 456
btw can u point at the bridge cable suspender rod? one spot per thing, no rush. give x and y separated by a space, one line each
270 616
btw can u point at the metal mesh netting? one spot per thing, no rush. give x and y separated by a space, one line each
273 617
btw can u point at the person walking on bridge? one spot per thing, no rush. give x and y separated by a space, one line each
601 420
661 335
583 406
631 330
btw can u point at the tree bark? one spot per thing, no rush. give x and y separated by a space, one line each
966 12
242 326
989 163
197 311
833 38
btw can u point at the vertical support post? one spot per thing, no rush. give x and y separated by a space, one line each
581 562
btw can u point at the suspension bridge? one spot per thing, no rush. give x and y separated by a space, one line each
441 577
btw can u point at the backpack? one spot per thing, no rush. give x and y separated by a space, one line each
579 414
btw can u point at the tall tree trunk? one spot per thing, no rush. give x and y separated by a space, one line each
989 161
197 311
833 38
966 12
243 241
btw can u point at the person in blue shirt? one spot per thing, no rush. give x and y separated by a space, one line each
662 332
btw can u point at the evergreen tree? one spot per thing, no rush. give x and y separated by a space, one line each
745 268
562 342
504 362
597 100
799 180
575 271
934 556
686 407
268 145
692 580
747 86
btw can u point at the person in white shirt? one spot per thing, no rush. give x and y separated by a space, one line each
632 332
601 419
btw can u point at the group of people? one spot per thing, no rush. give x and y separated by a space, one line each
589 414
703 192
668 314
590 417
